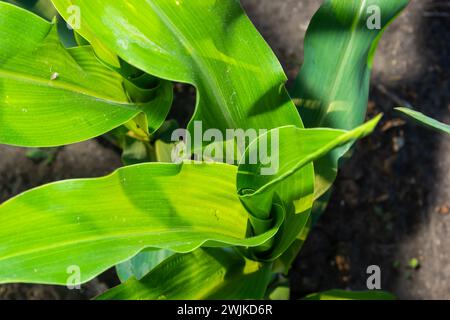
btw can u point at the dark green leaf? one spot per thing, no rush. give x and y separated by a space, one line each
333 85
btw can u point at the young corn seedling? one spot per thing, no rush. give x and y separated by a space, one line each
221 213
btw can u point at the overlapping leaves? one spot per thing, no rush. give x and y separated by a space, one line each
53 96
240 82
168 206
332 87
97 223
203 274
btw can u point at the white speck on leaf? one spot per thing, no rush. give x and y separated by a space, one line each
123 43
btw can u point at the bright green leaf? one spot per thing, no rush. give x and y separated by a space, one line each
240 83
295 148
425 120
142 263
351 295
53 96
97 223
280 293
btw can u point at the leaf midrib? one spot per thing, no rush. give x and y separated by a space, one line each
346 57
61 85
198 230
201 66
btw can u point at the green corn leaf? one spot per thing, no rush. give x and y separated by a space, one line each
44 8
174 207
209 273
350 295
284 263
53 96
425 120
333 85
94 224
145 261
295 148
281 293
240 83
142 263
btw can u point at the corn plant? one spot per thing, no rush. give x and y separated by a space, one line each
200 225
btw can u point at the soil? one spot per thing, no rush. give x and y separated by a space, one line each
391 202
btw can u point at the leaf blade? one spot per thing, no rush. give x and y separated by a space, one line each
216 54
351 295
296 148
142 263
208 273
425 120
332 87
52 96
65 223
